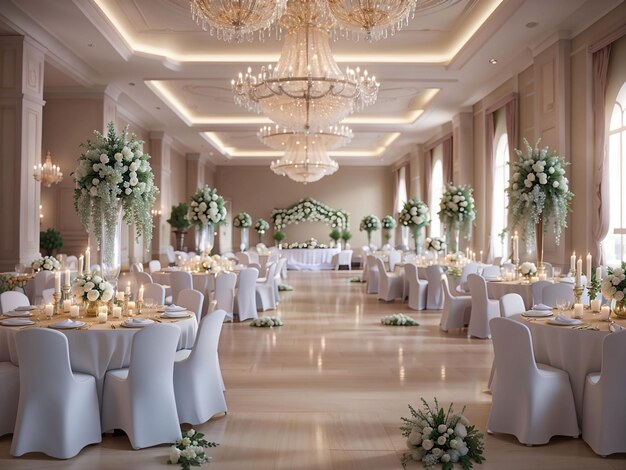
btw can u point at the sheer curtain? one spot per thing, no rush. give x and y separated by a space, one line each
428 160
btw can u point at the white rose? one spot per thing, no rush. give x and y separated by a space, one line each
88 286
531 177
619 295
107 295
442 428
460 431
427 444
174 454
445 458
118 157
97 279
437 452
128 191
133 166
93 295
441 440
454 444
463 450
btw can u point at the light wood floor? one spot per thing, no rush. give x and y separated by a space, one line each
327 390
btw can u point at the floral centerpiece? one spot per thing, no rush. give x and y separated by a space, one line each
613 288
92 290
457 210
47 263
539 196
206 210
435 244
528 269
190 451
261 227
114 180
416 216
435 436
266 322
311 244
242 220
369 223
398 319
388 223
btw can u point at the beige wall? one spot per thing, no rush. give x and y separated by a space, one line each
359 190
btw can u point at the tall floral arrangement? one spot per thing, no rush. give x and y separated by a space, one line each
114 170
242 220
261 226
388 222
538 191
207 207
370 223
415 215
457 209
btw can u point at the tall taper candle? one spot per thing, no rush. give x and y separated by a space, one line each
572 262
579 272
67 278
88 260
588 271
57 282
599 273
140 295
81 265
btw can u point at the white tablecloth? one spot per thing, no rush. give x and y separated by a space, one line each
306 259
497 289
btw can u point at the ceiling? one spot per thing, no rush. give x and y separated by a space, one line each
170 75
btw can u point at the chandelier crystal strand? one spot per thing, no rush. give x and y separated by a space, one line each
48 173
237 20
278 138
305 160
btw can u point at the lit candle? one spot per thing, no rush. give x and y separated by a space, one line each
66 305
49 308
131 306
579 272
595 305
74 311
130 312
127 290
119 296
481 256
57 282
578 310
516 246
81 265
67 278
140 295
599 273
572 262
117 312
102 314
588 271
605 312
88 260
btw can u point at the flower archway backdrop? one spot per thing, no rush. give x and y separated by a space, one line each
310 210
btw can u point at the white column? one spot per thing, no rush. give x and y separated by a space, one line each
160 151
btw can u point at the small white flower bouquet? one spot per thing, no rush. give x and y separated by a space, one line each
414 214
215 264
91 287
207 207
370 223
261 226
266 322
47 263
435 244
242 220
613 286
388 222
190 451
528 269
435 436
399 319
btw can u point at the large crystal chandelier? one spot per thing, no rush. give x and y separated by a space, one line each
48 173
236 20
306 90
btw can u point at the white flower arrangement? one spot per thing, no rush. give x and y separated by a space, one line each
310 210
190 451
388 222
613 286
528 269
214 264
311 244
398 319
91 287
414 214
207 207
439 437
538 190
114 170
266 322
434 244
370 223
454 258
242 220
261 226
457 208
47 263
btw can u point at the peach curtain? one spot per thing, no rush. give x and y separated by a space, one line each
447 161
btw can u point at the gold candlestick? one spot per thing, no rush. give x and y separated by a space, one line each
66 293
578 293
57 309
139 306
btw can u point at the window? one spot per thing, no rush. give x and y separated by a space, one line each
614 245
500 198
436 190
402 196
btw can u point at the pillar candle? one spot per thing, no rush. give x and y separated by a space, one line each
588 271
68 278
88 260
74 311
131 306
81 265
117 312
57 282
102 316
66 305
140 295
481 256
119 296
599 273
579 272
605 312
127 290
49 308
595 305
578 310
572 262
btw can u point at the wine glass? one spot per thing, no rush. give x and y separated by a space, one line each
556 273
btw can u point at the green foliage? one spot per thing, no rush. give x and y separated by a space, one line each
346 235
279 236
178 219
594 286
50 240
335 234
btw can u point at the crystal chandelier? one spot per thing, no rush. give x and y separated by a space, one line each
306 90
48 173
236 20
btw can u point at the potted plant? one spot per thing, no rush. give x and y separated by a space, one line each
335 235
50 240
346 236
180 223
279 236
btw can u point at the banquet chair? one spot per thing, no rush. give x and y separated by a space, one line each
253 256
48 296
225 293
469 268
154 266
604 411
434 296
10 300
390 284
43 280
265 290
395 257
197 376
456 309
343 258
245 298
554 294
372 274
180 280
71 263
277 277
531 401
537 290
497 261
154 291
243 258
192 300
136 279
549 269
511 304
58 411
365 251
483 308
171 254
417 287
94 268
140 399
10 392
136 267
491 272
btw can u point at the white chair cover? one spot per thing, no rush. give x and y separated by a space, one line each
456 309
10 300
154 291
140 400
469 268
434 297
537 290
171 254
245 299
549 269
394 257
58 410
556 293
43 280
491 272
197 377
136 268
418 288
343 258
180 280
483 308
265 290
243 258
71 263
48 295
225 293
531 401
372 274
390 285
280 265
365 251
10 392
511 304
604 410
192 300
154 266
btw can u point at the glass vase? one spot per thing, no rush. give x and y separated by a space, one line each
111 247
404 234
245 239
417 235
205 238
541 270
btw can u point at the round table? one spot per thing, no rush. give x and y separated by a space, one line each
576 351
100 347
497 289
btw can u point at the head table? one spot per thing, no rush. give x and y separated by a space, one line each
97 347
310 259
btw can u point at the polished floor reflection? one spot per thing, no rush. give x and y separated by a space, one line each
327 390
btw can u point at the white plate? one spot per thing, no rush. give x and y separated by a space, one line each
15 313
537 314
183 314
132 324
67 325
558 323
175 309
25 308
541 308
17 322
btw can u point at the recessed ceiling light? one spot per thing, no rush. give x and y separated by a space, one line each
493 61
131 83
91 44
159 108
531 24
211 154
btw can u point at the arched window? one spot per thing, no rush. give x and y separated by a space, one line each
614 245
500 198
436 190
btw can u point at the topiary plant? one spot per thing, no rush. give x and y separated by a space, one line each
279 236
346 235
178 218
50 240
335 234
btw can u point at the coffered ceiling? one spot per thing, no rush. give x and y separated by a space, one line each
170 75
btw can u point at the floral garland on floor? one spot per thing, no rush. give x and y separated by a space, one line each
242 220
398 319
190 451
538 190
266 322
91 287
310 210
47 263
435 436
207 207
114 169
457 208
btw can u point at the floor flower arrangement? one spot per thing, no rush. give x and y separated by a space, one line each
190 451
398 319
266 322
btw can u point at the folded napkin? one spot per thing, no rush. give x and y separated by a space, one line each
561 318
18 313
67 324
25 308
183 314
567 280
174 308
17 322
542 307
614 327
139 321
